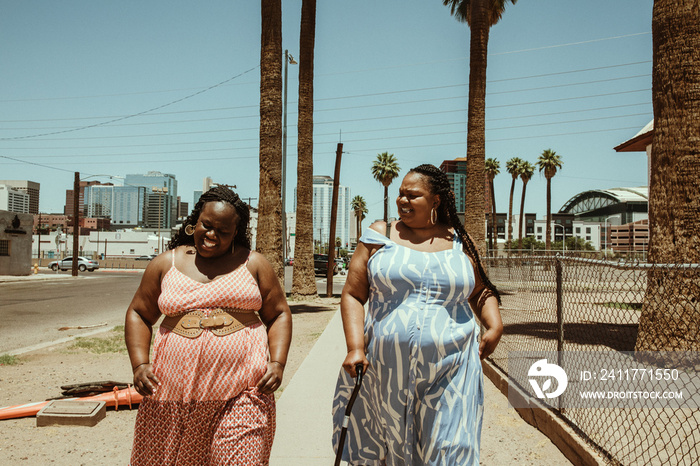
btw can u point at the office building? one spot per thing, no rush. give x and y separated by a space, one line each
124 205
322 200
161 198
30 188
13 200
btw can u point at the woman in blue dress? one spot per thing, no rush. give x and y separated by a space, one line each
421 400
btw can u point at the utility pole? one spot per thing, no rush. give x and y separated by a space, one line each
38 232
76 222
334 216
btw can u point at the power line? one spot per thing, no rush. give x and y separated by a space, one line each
135 114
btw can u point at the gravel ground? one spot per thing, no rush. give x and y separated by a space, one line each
40 374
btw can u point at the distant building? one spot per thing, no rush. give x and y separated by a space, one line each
70 197
161 198
626 204
632 237
28 187
456 171
13 200
124 205
322 199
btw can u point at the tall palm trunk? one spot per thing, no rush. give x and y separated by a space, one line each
303 275
520 220
494 226
510 212
269 236
548 228
670 319
474 215
386 203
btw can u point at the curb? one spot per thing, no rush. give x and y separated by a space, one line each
574 448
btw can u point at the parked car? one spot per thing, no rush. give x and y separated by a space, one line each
321 265
83 264
146 258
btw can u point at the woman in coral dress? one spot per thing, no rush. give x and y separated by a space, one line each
220 351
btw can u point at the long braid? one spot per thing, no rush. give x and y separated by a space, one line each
447 213
216 194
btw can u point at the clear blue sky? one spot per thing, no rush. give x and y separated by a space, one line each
173 86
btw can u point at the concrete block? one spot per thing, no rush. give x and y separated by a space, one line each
71 413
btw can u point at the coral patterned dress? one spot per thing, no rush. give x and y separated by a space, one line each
207 409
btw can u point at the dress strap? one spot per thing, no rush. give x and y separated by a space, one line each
173 257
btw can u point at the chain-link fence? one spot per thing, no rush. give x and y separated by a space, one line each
584 306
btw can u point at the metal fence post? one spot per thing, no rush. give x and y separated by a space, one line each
560 307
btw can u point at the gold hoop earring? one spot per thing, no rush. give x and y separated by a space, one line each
433 216
189 230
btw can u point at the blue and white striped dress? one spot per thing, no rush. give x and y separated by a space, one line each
421 401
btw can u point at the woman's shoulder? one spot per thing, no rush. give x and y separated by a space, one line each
375 233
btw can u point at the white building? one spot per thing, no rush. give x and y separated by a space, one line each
13 200
322 199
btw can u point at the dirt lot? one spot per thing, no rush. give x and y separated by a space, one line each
40 374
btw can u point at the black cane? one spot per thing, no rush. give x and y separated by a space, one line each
346 419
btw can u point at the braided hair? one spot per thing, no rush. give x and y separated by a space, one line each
216 194
439 185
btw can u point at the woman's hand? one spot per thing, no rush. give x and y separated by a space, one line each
354 358
489 341
145 381
272 379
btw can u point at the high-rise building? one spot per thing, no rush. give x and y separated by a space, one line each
456 171
125 205
29 187
13 200
161 198
322 199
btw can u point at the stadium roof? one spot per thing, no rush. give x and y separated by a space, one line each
589 201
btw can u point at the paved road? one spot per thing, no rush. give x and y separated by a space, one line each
32 311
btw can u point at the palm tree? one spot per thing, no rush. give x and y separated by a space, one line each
492 167
526 172
670 319
269 236
303 274
512 167
549 162
359 206
480 15
384 170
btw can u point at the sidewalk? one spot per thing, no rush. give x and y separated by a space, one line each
304 422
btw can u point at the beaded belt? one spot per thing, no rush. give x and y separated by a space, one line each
221 321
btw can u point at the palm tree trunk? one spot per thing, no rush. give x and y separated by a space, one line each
494 226
520 220
303 273
269 235
548 228
474 214
386 203
670 319
510 213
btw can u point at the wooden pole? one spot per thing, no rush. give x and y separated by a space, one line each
76 222
334 216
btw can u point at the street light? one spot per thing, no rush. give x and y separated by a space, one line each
563 240
605 228
160 192
288 60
